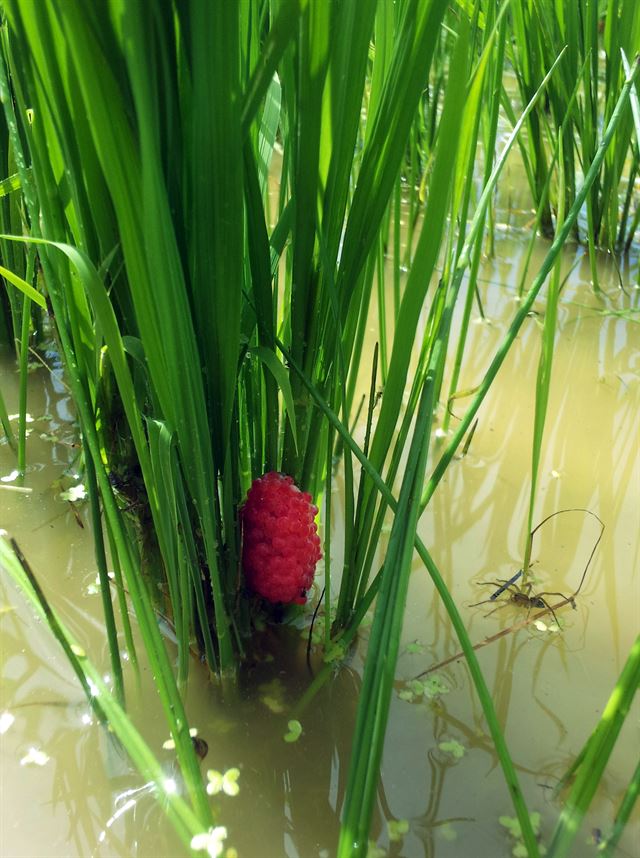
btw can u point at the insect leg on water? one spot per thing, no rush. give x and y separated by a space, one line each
523 597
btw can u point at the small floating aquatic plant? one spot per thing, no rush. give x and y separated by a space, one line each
281 545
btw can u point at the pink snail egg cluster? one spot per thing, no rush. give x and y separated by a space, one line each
280 542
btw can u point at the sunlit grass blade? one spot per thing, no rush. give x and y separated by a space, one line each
545 364
6 424
104 703
426 253
103 575
596 756
280 35
415 43
623 815
379 674
25 287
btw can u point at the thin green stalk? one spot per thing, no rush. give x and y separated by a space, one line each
397 236
379 673
328 492
545 365
351 566
382 304
6 424
24 369
475 263
622 816
18 567
103 574
22 399
122 600
106 706
598 751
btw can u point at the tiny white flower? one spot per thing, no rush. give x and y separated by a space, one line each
226 783
215 782
74 493
6 720
169 745
35 757
210 841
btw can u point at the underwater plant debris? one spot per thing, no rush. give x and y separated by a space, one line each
281 545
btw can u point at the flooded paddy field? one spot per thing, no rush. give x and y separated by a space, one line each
442 792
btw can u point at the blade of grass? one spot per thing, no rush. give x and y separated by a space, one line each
25 287
597 753
622 816
106 706
384 640
105 588
6 424
545 365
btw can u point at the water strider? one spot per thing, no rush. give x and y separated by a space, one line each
523 597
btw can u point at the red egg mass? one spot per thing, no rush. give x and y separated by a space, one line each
280 542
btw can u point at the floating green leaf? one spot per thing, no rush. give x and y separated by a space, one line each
74 493
335 652
434 687
211 841
397 828
447 832
452 747
226 783
295 731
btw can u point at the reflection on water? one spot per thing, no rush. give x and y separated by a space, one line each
440 771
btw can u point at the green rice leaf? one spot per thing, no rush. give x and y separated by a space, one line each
103 701
275 366
10 184
597 753
22 285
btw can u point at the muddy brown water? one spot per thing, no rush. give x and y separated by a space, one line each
549 688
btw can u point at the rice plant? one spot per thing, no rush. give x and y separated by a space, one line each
598 37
